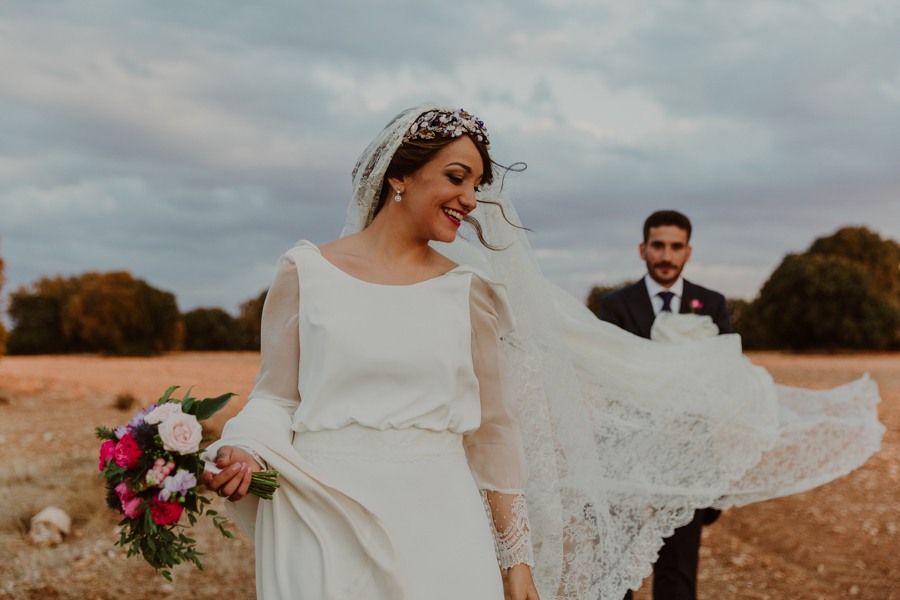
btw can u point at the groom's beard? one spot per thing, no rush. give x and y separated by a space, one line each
672 272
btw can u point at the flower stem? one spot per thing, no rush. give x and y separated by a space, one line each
263 484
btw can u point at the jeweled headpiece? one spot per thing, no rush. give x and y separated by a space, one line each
447 123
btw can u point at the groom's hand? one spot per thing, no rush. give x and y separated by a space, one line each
237 468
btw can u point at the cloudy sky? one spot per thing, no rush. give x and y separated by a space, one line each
191 143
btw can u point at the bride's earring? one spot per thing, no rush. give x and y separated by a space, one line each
397 197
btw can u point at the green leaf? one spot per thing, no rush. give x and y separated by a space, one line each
207 407
186 405
105 433
167 395
191 463
187 394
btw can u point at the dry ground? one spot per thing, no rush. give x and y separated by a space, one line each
839 541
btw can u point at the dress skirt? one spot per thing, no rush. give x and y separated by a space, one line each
418 483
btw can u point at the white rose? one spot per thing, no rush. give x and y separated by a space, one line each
181 433
162 412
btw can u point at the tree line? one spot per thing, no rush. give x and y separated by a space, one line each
119 315
3 333
843 292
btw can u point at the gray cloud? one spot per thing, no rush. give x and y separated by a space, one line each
193 144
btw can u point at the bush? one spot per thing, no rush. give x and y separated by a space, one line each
746 323
3 334
250 321
124 401
597 293
113 313
212 329
815 300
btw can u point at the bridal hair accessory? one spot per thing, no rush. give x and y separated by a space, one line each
447 123
397 197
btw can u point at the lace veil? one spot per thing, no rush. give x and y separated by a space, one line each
626 437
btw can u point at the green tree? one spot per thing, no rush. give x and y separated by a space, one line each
815 300
113 313
250 320
598 291
37 315
212 329
880 258
3 334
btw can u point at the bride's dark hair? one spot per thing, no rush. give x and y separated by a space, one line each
412 155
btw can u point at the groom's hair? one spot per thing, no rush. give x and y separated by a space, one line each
666 217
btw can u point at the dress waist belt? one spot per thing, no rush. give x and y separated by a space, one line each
356 442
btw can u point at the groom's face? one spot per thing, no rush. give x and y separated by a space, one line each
666 252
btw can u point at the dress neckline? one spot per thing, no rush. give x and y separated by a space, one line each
384 285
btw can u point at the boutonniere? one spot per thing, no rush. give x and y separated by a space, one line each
695 306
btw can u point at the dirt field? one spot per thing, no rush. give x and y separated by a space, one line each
839 541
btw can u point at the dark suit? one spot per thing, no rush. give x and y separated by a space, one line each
675 572
630 307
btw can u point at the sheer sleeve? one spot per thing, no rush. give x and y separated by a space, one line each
279 362
494 450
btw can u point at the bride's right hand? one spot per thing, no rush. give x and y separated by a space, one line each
237 467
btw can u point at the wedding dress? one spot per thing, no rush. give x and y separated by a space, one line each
403 456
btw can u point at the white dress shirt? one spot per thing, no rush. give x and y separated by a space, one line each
653 289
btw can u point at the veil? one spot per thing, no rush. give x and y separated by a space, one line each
626 437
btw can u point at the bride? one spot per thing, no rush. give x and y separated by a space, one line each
405 431
444 381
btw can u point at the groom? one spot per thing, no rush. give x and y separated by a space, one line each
665 250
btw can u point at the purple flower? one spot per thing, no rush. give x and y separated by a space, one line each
120 431
179 483
139 417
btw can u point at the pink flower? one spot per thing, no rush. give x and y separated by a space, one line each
107 453
695 304
127 452
154 478
124 492
130 507
162 412
181 433
166 513
130 501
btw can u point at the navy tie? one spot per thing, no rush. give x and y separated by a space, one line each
667 300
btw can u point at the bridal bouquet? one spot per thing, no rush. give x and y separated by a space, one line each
152 467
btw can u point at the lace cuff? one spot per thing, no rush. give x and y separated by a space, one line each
255 456
509 524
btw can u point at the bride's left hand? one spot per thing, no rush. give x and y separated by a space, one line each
521 585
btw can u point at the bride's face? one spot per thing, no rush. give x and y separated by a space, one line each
442 192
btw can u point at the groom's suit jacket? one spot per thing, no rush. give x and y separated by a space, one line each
630 307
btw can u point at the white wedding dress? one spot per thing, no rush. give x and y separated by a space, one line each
406 417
